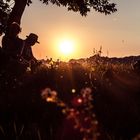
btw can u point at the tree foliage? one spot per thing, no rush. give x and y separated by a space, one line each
4 14
8 14
84 6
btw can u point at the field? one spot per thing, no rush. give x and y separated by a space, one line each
87 99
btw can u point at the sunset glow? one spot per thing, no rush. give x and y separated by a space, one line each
66 47
117 33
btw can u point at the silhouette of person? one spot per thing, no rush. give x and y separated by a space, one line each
11 43
26 51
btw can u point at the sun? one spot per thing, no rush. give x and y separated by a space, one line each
66 47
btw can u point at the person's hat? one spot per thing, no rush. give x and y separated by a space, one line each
33 37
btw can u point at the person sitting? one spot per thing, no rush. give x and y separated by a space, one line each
11 43
26 54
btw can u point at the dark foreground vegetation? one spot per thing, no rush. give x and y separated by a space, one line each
86 99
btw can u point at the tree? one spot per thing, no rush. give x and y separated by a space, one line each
82 6
4 14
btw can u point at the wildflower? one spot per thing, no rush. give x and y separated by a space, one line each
49 95
45 93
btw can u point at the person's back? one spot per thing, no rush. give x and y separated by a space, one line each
11 46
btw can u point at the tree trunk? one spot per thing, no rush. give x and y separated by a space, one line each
17 11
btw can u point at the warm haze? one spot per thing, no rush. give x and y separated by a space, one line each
119 33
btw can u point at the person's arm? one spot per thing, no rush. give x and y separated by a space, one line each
33 59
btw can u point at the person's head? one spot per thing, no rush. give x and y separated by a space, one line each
14 29
32 39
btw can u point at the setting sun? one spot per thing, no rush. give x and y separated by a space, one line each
66 47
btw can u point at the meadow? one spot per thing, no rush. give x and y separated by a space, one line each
96 98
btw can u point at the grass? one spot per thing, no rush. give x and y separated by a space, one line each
95 99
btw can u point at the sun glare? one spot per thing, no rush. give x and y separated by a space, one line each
66 47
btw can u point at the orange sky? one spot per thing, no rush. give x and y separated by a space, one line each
119 33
